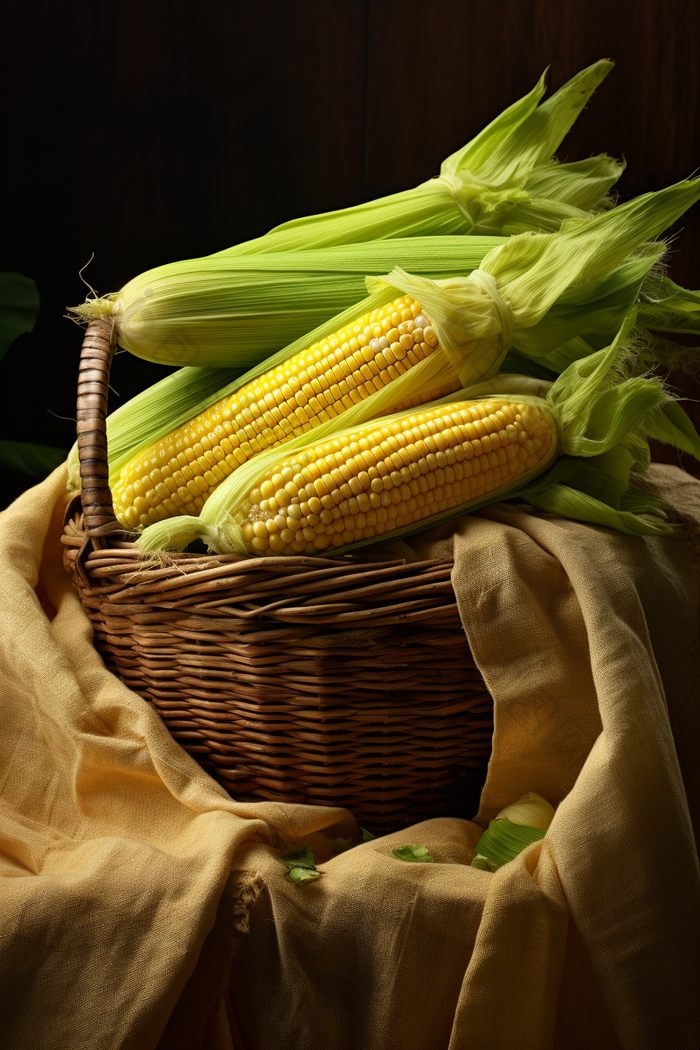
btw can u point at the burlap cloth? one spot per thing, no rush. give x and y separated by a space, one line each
142 907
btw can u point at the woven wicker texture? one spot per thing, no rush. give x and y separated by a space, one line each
335 682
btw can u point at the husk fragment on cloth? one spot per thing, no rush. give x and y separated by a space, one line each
129 878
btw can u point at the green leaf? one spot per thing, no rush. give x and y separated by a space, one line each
342 845
303 859
301 865
35 460
367 836
483 864
667 307
567 502
19 305
672 426
416 854
503 841
304 874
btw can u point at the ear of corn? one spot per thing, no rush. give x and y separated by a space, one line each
392 355
294 283
198 312
530 811
498 446
384 478
502 842
471 328
338 480
156 410
179 472
229 315
234 312
282 403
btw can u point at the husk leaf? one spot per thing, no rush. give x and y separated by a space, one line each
503 841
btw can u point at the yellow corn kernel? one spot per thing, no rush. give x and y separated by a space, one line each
451 467
315 385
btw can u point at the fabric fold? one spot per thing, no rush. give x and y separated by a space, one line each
129 877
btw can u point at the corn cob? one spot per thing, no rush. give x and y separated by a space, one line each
231 311
331 489
470 324
179 472
379 479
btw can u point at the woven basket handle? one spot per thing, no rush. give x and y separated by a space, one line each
93 385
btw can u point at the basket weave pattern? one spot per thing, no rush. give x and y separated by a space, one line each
336 682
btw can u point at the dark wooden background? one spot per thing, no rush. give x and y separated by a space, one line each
148 132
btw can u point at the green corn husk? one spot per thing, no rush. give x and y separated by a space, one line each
222 310
602 489
663 307
672 426
667 307
233 312
546 280
552 194
585 265
583 185
516 827
185 393
502 842
541 263
591 407
504 176
656 353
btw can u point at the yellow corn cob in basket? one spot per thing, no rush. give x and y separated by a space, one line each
439 336
178 473
384 478
341 487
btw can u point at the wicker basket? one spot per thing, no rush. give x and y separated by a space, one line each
338 682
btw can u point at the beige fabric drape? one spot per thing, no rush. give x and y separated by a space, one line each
135 891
